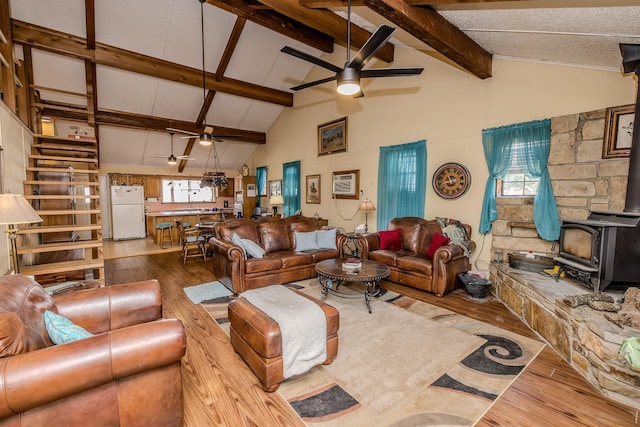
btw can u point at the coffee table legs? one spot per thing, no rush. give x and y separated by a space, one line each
372 289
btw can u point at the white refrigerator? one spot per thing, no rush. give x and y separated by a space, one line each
127 212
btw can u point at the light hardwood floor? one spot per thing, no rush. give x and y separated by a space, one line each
219 390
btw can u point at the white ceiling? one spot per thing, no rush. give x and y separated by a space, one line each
578 33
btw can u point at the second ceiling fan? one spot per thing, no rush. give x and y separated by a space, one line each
348 77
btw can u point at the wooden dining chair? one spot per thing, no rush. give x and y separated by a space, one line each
193 243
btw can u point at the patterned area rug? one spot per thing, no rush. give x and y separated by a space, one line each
406 364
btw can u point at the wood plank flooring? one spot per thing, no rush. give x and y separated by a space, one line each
220 390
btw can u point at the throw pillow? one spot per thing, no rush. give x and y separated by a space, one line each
237 240
305 241
327 238
436 241
391 240
252 249
62 330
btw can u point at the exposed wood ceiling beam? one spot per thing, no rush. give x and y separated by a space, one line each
151 123
281 24
429 26
330 23
318 4
90 18
70 45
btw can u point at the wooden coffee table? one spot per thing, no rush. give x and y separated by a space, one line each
331 276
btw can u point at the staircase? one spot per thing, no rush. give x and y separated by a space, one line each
62 186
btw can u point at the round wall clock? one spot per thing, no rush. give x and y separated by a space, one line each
451 180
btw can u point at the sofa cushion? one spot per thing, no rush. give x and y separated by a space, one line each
274 236
62 330
416 263
388 257
305 241
327 238
292 259
323 254
391 240
436 241
262 265
22 308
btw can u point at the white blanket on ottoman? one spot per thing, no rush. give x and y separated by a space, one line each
302 323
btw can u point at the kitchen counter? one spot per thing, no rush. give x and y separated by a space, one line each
185 215
182 212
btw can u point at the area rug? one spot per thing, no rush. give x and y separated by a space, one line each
209 292
408 363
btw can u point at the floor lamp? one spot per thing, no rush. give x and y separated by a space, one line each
14 209
366 206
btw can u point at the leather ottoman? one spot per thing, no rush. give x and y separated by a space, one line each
256 338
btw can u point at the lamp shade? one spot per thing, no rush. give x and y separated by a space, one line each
366 206
14 209
276 200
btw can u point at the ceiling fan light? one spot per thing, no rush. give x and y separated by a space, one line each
173 160
348 81
205 139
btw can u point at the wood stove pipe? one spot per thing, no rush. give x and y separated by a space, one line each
631 64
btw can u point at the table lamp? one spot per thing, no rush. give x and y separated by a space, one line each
14 209
276 201
366 206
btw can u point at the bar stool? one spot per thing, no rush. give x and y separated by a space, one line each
161 235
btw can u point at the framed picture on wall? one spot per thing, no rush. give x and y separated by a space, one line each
332 137
618 131
313 189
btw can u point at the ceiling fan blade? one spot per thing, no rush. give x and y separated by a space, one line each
390 72
310 58
314 83
185 158
371 46
184 132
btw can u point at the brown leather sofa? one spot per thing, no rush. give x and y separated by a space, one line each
281 262
127 374
411 266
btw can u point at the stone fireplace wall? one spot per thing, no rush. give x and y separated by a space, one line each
582 181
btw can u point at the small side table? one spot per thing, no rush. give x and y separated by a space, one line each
352 247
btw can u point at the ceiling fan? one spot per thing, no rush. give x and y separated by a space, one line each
207 131
172 160
349 76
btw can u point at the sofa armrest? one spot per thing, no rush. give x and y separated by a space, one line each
226 249
447 253
39 377
369 242
112 307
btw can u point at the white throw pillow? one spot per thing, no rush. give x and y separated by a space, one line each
252 249
326 238
305 241
236 240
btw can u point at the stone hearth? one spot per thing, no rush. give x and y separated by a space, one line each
581 335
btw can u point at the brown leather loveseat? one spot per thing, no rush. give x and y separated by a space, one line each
127 374
282 260
409 263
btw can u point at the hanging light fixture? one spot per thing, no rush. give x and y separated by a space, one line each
205 138
349 78
172 159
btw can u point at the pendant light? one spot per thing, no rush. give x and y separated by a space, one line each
349 78
172 159
205 138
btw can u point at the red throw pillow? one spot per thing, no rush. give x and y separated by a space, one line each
391 240
436 241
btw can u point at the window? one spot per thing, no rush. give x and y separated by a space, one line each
186 191
517 184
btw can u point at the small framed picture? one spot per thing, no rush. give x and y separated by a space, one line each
313 189
251 190
332 137
275 188
618 131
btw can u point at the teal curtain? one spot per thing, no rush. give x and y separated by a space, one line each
402 177
261 182
291 188
529 144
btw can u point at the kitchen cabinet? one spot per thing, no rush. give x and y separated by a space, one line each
229 191
153 186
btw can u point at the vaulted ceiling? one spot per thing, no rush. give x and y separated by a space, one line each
134 68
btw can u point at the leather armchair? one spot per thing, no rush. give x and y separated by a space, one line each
127 374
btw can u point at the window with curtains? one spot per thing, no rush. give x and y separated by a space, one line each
527 145
402 174
261 180
516 183
291 188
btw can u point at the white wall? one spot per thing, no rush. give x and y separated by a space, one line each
446 106
15 141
